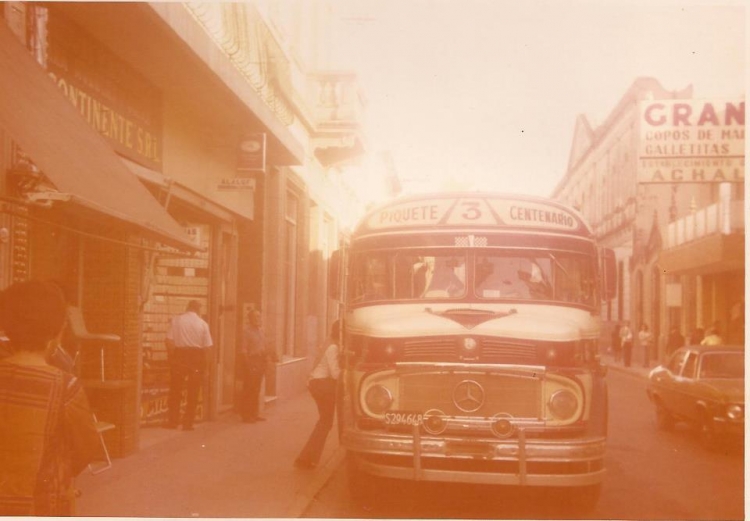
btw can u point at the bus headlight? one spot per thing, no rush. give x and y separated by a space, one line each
378 399
501 426
735 412
563 404
434 421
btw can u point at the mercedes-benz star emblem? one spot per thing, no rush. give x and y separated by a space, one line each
468 396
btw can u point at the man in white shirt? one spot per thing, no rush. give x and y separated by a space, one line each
188 341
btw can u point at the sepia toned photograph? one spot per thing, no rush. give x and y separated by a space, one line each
373 259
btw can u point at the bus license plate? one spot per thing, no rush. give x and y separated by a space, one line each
403 418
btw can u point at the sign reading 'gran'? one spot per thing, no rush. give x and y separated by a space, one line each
691 141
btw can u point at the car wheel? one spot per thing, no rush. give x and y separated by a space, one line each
664 420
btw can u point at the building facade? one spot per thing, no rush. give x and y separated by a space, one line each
662 183
158 153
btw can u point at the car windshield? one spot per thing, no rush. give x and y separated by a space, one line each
497 275
723 365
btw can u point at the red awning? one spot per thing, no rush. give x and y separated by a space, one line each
73 156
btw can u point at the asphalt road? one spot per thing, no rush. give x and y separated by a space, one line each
650 475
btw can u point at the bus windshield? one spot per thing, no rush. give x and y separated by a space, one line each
489 275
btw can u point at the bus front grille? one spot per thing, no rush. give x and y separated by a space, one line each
491 350
518 396
430 349
502 351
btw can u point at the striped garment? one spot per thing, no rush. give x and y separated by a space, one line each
47 437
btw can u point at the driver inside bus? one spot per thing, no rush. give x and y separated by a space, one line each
533 276
443 282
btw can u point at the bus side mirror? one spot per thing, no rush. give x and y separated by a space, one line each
609 267
334 275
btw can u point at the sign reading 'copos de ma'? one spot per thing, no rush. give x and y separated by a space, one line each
691 141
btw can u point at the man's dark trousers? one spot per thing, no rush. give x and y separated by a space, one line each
186 364
323 390
255 370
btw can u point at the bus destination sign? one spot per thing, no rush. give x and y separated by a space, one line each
473 211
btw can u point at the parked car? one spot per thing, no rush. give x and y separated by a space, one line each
704 385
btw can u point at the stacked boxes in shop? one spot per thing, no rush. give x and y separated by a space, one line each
176 280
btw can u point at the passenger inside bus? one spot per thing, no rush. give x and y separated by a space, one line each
442 277
511 277
532 275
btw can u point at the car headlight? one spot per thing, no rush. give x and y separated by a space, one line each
563 404
378 399
735 411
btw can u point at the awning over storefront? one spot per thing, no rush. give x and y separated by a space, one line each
73 156
710 254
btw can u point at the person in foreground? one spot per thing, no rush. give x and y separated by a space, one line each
47 432
322 385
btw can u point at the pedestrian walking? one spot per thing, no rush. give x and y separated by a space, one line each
322 386
712 337
616 345
646 340
626 339
47 432
188 344
253 356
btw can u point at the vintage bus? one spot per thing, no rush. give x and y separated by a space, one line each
470 344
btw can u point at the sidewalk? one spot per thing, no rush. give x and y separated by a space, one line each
223 468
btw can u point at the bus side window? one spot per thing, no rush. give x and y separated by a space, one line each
370 279
410 276
377 279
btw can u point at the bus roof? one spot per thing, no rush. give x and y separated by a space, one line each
467 210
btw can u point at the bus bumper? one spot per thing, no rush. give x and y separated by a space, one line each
519 461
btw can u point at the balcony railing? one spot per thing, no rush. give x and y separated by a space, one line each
243 36
724 218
